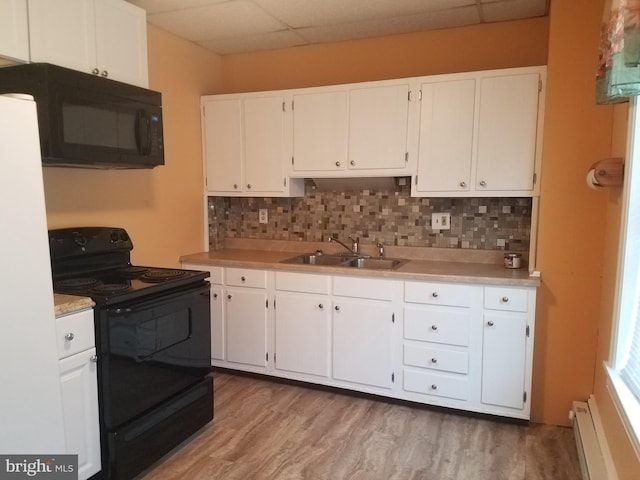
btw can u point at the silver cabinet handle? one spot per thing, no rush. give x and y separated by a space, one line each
320 306
94 358
229 297
490 323
505 299
95 71
434 386
483 183
69 336
434 360
352 163
463 184
249 186
434 327
215 295
434 294
337 164
337 308
104 73
243 279
235 186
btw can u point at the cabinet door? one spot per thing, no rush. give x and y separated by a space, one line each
14 30
320 123
222 135
508 119
378 120
79 386
121 42
302 333
246 326
362 336
63 33
264 144
503 359
217 324
446 136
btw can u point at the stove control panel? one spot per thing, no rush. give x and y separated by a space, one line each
70 242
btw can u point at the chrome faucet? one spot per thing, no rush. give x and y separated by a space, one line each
355 245
380 250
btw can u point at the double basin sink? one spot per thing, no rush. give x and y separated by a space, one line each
346 261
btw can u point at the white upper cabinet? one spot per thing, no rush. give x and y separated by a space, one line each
508 120
101 37
320 131
352 130
480 134
14 30
446 136
246 146
378 123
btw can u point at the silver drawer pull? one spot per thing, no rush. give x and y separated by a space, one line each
104 73
483 183
229 297
337 164
320 306
352 163
215 295
94 358
69 336
434 327
434 360
505 299
95 71
337 308
434 386
243 278
463 184
434 294
490 323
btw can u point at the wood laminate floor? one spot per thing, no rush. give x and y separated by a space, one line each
269 430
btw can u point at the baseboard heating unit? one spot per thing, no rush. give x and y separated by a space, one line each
592 448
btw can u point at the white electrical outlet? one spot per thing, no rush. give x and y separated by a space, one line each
441 221
263 215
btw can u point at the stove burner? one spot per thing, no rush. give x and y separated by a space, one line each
77 283
132 271
111 288
158 276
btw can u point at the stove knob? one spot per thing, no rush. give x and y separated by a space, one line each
80 240
124 237
114 237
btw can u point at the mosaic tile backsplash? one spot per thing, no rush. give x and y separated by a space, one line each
391 216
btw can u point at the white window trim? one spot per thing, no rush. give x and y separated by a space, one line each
625 402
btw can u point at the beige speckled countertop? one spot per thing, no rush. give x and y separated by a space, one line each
65 304
429 264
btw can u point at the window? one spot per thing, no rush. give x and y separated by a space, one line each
624 368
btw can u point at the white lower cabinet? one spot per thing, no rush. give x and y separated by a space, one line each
463 346
79 387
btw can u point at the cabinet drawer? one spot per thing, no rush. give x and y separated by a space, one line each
245 277
438 293
302 282
438 384
74 333
436 358
215 273
363 287
449 326
503 298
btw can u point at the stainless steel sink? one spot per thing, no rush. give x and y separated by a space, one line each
346 261
376 263
315 259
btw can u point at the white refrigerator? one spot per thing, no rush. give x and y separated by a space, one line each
31 420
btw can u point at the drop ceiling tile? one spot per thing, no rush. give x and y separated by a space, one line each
268 41
222 20
308 13
390 26
155 6
513 9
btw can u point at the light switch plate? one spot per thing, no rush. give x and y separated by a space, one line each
441 221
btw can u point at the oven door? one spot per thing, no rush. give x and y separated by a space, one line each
150 350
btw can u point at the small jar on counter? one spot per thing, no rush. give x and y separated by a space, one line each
512 260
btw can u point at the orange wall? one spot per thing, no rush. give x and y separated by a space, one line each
160 208
498 45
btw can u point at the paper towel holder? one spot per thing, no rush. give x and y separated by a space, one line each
608 172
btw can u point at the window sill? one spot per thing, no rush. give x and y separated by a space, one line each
627 406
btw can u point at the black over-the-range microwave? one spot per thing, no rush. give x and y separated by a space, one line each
89 121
